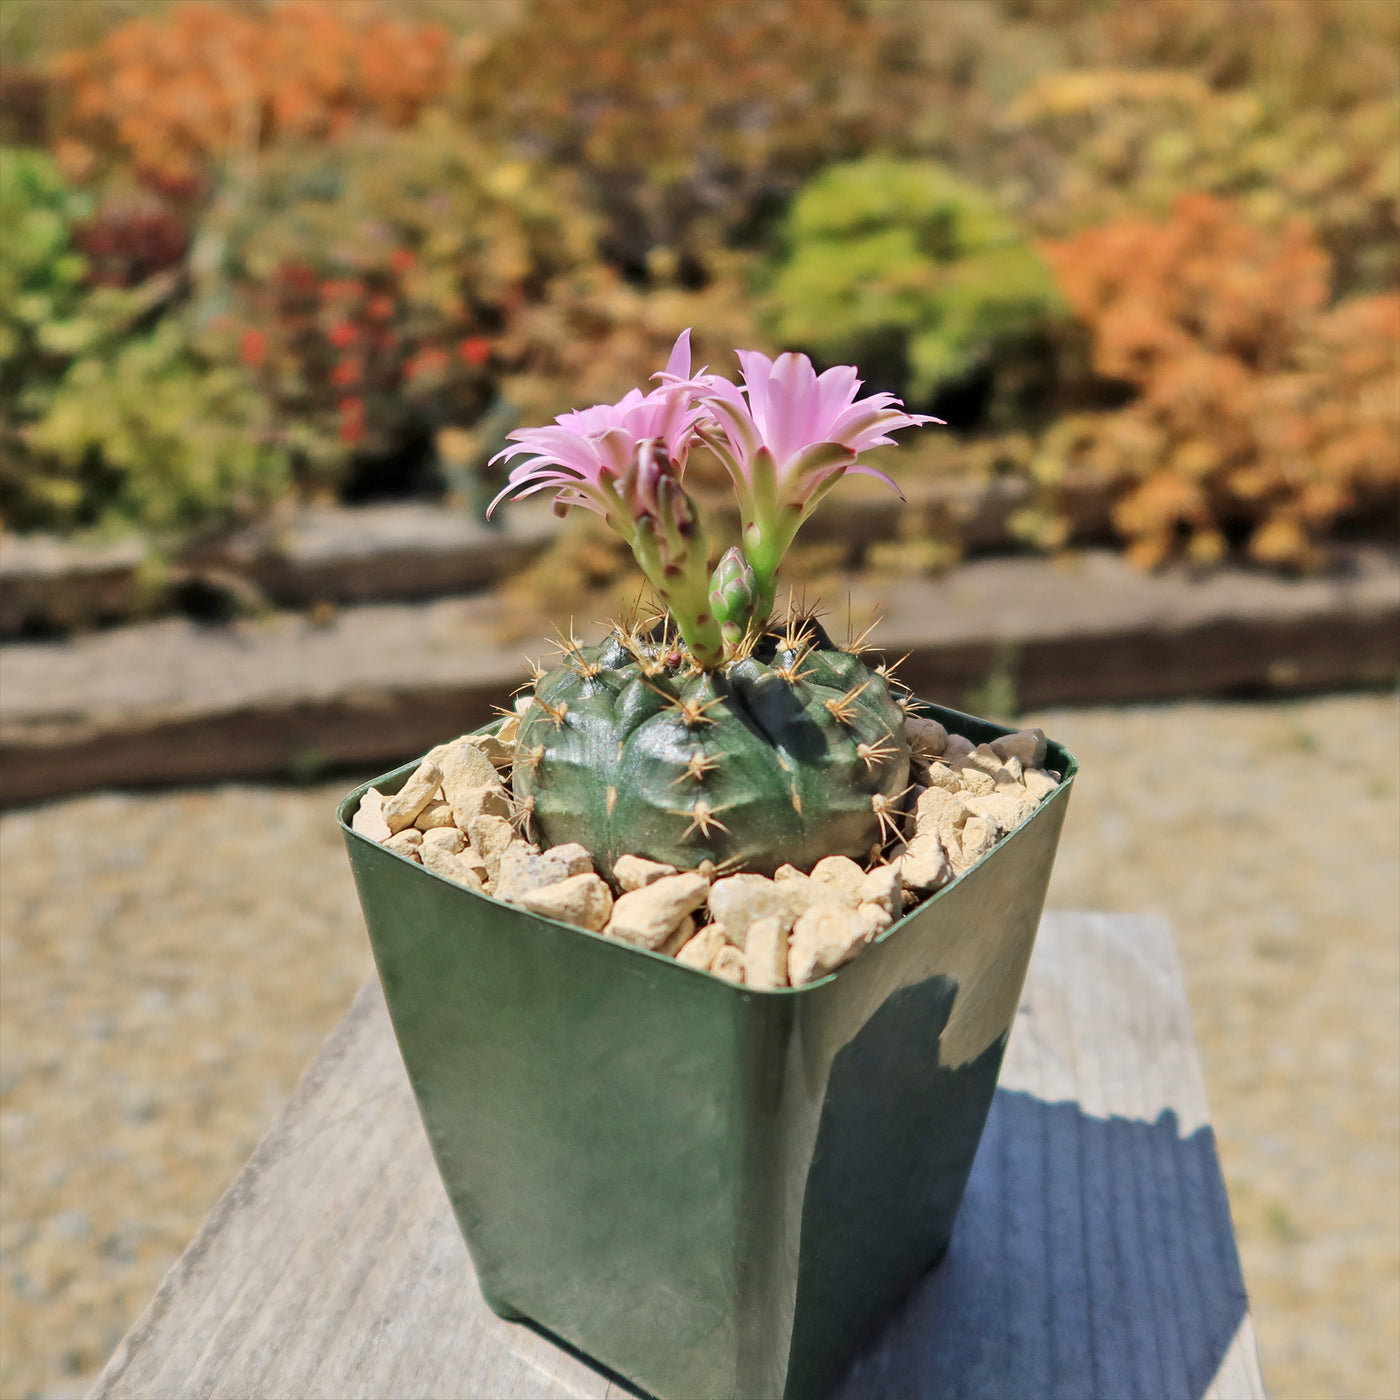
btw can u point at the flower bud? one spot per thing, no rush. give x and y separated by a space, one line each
733 588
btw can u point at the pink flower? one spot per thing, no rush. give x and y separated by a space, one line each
806 429
583 454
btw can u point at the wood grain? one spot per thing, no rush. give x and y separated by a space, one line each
376 685
1093 1256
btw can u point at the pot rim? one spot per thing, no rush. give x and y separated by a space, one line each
346 807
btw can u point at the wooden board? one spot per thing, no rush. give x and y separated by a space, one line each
373 686
1093 1256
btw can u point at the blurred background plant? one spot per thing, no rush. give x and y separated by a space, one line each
1264 416
914 274
367 239
258 254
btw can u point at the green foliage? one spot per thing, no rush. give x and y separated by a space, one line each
41 274
105 424
152 437
900 262
47 316
786 755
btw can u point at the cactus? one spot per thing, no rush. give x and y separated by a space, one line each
793 750
710 735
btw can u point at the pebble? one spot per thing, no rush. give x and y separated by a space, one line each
684 932
1040 784
442 862
1011 774
406 842
766 956
636 872
1027 746
979 835
422 785
738 900
474 862
701 950
490 836
369 817
940 775
1005 809
822 939
647 917
881 887
877 918
927 738
436 816
447 837
804 893
470 782
925 865
463 765
840 871
977 780
522 868
584 900
956 749
729 963
498 748
488 800
937 809
985 758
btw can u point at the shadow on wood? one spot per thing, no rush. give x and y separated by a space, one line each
1091 1257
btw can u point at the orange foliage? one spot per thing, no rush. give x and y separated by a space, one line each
214 80
1260 415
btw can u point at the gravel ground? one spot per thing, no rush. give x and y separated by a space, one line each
171 962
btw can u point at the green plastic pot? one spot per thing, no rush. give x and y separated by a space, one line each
713 1190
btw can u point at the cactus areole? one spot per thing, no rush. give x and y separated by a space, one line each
710 733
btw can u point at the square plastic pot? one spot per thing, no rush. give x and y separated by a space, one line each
711 1189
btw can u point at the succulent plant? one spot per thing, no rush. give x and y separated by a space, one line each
707 732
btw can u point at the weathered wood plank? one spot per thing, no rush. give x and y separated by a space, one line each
174 702
417 550
1093 1256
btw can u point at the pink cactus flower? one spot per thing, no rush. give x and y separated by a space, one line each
786 438
584 453
804 427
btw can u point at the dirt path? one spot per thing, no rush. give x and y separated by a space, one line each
171 963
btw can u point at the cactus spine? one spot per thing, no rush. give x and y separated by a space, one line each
790 751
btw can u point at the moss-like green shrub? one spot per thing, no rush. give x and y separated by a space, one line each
906 268
151 437
41 278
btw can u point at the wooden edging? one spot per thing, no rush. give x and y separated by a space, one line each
173 702
415 551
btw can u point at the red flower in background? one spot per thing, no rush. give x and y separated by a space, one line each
401 260
352 420
475 349
348 372
342 335
252 349
431 359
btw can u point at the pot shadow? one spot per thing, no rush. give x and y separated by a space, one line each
1090 1258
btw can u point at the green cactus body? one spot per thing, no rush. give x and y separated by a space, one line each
789 754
